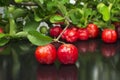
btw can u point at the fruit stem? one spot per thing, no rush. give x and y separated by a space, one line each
57 39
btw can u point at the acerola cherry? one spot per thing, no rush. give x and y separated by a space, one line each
55 31
93 30
83 34
1 30
70 35
109 35
67 54
46 54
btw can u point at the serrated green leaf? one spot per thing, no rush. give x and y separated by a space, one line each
37 38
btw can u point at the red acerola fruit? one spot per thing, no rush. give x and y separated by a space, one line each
109 36
55 31
46 54
70 35
67 54
93 30
83 34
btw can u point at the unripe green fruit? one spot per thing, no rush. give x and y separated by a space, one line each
43 29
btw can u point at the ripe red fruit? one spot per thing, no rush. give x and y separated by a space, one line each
1 30
55 31
93 30
67 54
83 34
46 54
109 35
70 35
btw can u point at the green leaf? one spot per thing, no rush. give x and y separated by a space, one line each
37 38
104 10
2 35
62 8
18 1
51 5
12 26
41 1
19 13
36 17
21 34
3 41
56 19
32 25
75 16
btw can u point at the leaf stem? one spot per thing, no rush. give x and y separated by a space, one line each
57 39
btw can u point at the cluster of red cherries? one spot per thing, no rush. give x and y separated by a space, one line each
68 53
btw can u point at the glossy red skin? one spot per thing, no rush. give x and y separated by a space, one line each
83 34
70 35
46 72
68 72
55 31
108 50
46 54
67 54
93 30
109 35
1 30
